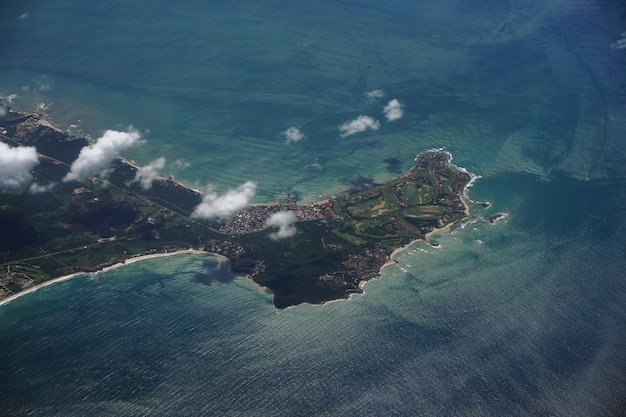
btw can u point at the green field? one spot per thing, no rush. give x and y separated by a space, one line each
92 224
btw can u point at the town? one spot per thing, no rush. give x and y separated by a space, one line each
336 244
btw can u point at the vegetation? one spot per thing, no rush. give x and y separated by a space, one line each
92 224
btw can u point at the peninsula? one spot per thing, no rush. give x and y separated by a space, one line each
86 226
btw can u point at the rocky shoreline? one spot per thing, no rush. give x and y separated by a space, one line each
340 242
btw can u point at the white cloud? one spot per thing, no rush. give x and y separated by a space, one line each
620 43
16 165
360 124
146 174
375 94
37 189
43 84
393 110
95 158
181 164
24 16
293 134
222 207
285 221
4 105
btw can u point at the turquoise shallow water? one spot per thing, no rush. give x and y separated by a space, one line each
524 317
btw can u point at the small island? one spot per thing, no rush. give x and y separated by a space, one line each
336 244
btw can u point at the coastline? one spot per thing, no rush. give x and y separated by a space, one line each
463 196
392 261
134 259
442 160
36 287
170 178
108 268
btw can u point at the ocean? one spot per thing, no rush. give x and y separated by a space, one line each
524 317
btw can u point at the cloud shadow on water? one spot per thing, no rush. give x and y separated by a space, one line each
360 182
216 272
394 165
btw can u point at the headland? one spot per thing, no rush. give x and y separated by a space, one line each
91 225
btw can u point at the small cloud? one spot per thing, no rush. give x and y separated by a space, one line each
620 43
147 174
317 165
293 134
4 106
38 189
94 159
16 165
374 94
360 124
285 221
393 110
223 207
181 164
24 16
43 84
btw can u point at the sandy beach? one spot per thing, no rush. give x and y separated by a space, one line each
150 256
117 265
38 286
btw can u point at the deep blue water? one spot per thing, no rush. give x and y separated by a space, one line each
524 317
